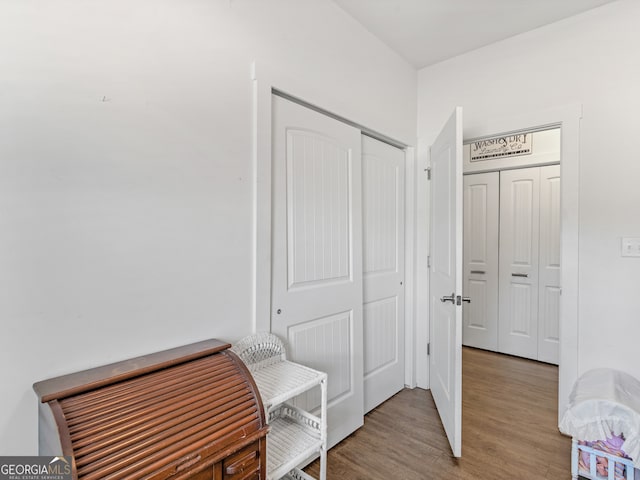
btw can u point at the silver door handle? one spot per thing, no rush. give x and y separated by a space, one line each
449 298
524 275
460 299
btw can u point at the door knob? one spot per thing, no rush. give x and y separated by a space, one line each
460 299
449 298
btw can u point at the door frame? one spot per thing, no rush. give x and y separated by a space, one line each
568 119
265 82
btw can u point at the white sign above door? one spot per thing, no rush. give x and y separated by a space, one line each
507 146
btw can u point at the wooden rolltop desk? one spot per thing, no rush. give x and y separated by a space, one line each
191 412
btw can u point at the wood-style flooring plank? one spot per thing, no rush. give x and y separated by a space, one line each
509 429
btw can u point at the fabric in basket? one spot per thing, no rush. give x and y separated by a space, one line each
612 446
605 403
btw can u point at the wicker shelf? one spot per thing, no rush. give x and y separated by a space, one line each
295 435
281 381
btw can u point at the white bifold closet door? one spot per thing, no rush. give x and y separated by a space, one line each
512 261
549 265
480 274
519 240
317 255
530 262
383 270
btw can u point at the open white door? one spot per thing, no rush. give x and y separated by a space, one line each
445 279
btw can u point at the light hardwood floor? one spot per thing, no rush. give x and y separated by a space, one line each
509 429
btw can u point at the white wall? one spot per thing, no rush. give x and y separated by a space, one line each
126 189
591 59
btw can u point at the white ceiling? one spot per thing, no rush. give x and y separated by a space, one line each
425 32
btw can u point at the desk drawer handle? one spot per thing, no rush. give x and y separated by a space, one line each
478 272
524 275
238 465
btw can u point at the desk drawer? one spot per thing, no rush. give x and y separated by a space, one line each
244 464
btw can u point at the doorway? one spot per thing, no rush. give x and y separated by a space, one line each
512 244
512 239
568 119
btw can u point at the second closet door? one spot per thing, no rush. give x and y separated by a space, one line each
549 266
480 258
519 251
383 270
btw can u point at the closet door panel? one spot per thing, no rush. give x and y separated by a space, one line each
481 206
518 277
383 227
316 290
549 282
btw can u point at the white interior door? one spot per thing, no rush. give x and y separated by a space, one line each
549 265
519 249
480 246
445 279
317 254
383 270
